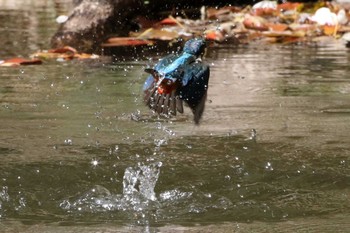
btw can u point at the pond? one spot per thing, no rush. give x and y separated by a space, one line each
79 151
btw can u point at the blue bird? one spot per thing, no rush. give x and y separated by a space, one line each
177 78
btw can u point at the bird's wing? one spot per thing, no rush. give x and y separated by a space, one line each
159 91
166 61
194 88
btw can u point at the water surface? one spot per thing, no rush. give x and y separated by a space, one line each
81 153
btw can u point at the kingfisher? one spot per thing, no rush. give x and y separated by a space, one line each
179 78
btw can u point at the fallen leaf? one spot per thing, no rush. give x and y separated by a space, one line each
256 23
265 12
329 30
214 13
20 61
265 8
126 41
214 35
50 55
86 56
303 27
168 21
158 34
277 27
284 33
288 6
65 49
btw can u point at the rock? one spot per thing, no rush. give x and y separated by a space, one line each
91 21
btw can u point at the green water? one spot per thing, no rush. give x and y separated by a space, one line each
79 152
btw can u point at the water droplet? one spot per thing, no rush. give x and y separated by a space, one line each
94 162
159 142
68 142
158 125
268 166
253 134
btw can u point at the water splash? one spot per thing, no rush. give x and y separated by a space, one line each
4 197
138 194
141 181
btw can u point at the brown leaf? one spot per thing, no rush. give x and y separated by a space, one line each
256 23
284 33
265 11
53 55
157 34
65 49
277 27
287 6
85 56
126 41
20 61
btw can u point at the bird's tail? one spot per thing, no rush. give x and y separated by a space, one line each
199 109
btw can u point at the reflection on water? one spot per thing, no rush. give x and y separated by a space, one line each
80 153
26 26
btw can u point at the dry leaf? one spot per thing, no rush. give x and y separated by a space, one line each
277 27
20 61
126 41
256 23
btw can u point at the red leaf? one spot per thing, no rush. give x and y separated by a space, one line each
168 21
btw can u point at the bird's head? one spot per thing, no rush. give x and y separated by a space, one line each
195 46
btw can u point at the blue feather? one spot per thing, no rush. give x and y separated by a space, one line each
177 78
